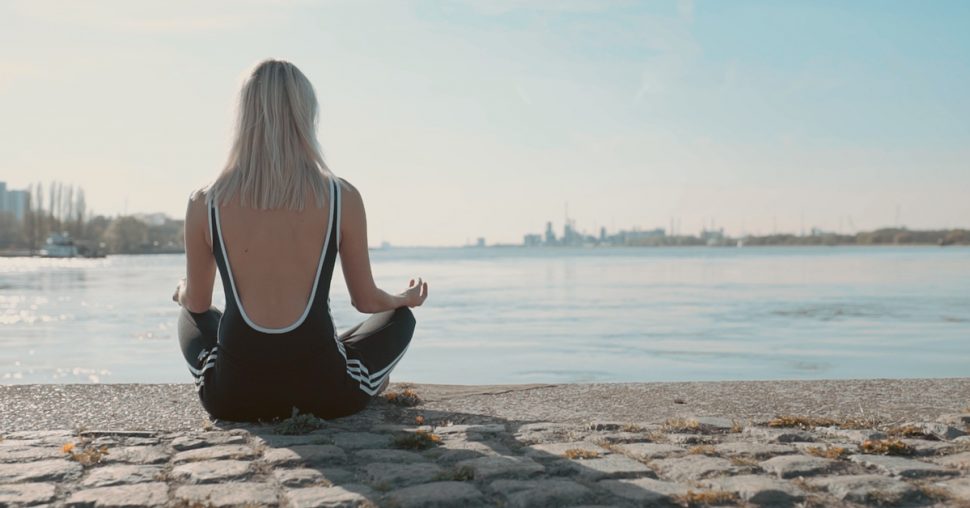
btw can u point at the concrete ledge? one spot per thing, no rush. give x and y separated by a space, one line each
172 407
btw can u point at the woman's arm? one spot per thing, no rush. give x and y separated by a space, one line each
195 292
365 296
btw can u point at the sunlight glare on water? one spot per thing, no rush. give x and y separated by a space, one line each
516 315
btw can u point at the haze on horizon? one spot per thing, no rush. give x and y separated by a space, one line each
465 119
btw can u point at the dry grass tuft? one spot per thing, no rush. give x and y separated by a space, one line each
810 422
708 498
460 474
579 453
406 397
742 461
632 427
831 452
299 424
681 425
420 440
886 447
702 450
736 427
907 431
933 492
86 455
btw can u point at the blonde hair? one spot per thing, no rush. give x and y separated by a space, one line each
275 157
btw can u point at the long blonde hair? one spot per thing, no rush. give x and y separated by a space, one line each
275 157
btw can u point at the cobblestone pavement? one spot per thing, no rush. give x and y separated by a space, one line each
395 455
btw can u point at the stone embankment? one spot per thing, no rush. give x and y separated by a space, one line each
403 452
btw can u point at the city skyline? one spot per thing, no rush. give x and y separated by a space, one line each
458 120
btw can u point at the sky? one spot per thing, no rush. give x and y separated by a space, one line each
458 120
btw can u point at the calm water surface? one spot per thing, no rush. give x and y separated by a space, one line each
515 315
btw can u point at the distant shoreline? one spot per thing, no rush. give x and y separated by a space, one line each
18 254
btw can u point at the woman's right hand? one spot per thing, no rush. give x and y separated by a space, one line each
415 294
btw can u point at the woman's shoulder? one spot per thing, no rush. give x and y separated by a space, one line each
347 189
198 203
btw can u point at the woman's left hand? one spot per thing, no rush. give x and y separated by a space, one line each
178 291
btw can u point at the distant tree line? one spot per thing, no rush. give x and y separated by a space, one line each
886 236
63 209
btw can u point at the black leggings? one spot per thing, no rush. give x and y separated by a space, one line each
313 375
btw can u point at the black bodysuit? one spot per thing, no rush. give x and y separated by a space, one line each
247 372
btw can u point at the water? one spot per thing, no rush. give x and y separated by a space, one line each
514 315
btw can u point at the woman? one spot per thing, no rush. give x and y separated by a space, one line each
273 223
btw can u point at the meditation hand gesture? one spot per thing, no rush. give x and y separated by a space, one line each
415 294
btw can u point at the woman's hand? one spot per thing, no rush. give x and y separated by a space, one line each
415 294
178 292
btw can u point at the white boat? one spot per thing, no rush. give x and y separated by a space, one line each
59 246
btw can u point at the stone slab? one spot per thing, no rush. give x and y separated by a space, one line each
693 467
902 466
794 466
211 471
142 494
222 495
106 476
436 494
866 488
26 494
349 495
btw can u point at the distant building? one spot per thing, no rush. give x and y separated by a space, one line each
532 240
550 234
15 202
152 219
480 242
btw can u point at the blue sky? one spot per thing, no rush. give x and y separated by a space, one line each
466 119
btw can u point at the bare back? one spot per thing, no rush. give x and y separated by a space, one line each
274 257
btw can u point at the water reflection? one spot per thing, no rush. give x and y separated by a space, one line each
545 315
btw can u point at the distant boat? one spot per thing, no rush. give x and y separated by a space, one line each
59 246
